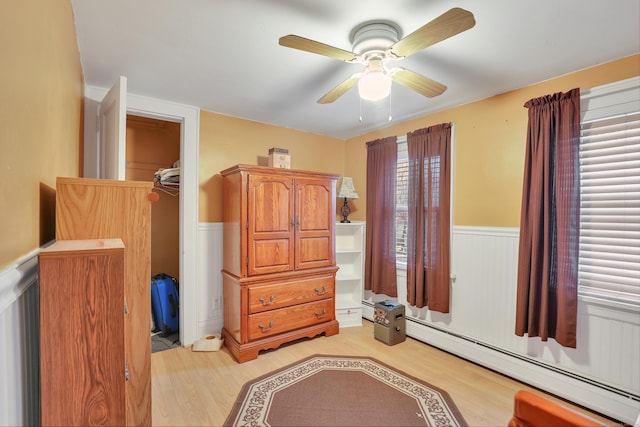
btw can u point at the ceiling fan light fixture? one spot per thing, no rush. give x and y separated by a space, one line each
375 43
374 86
374 36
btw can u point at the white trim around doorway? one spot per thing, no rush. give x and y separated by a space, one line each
189 118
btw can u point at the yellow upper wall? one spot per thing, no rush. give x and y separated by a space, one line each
40 118
490 137
226 141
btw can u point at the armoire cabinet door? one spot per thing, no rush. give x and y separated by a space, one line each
315 218
270 224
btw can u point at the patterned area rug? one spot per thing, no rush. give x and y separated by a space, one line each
342 391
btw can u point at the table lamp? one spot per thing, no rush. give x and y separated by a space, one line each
346 191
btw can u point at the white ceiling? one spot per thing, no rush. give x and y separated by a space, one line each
223 55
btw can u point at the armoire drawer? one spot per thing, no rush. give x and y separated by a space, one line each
280 295
287 319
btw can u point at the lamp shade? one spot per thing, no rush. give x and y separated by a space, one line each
374 86
346 188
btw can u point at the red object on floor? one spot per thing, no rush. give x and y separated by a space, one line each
532 410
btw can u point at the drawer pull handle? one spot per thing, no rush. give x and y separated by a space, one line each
267 302
263 329
320 316
321 292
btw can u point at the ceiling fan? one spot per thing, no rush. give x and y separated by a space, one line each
376 43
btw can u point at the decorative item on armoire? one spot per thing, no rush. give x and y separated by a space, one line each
279 158
346 190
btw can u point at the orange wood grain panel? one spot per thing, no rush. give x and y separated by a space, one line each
289 319
250 350
270 255
102 209
231 305
82 333
314 213
270 224
278 295
315 234
233 233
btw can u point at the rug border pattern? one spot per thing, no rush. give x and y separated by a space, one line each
436 405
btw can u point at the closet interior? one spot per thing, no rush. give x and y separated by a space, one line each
153 154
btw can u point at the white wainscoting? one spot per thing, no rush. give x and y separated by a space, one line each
20 343
209 314
602 373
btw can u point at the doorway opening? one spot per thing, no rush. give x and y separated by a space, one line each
153 154
189 119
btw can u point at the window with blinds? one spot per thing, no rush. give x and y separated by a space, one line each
609 255
402 190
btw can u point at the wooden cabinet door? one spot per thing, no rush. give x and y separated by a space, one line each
110 209
82 363
315 218
270 221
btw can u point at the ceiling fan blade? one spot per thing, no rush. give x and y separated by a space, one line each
415 81
446 25
297 42
340 90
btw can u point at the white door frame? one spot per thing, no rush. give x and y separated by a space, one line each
113 131
189 119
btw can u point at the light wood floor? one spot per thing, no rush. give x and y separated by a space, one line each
199 388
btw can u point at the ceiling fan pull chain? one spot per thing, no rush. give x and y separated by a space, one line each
390 118
360 102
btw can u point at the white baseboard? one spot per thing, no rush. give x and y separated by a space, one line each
210 326
531 372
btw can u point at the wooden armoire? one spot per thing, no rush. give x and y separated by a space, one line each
109 209
82 317
279 263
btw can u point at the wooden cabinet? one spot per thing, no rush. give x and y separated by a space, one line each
350 241
82 318
108 209
279 257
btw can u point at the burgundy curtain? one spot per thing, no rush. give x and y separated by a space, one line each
549 223
380 252
429 217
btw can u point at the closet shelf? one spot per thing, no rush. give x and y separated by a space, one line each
169 188
168 180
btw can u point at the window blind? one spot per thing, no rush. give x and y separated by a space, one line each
609 251
402 189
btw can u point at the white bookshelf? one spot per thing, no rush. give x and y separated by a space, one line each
350 241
